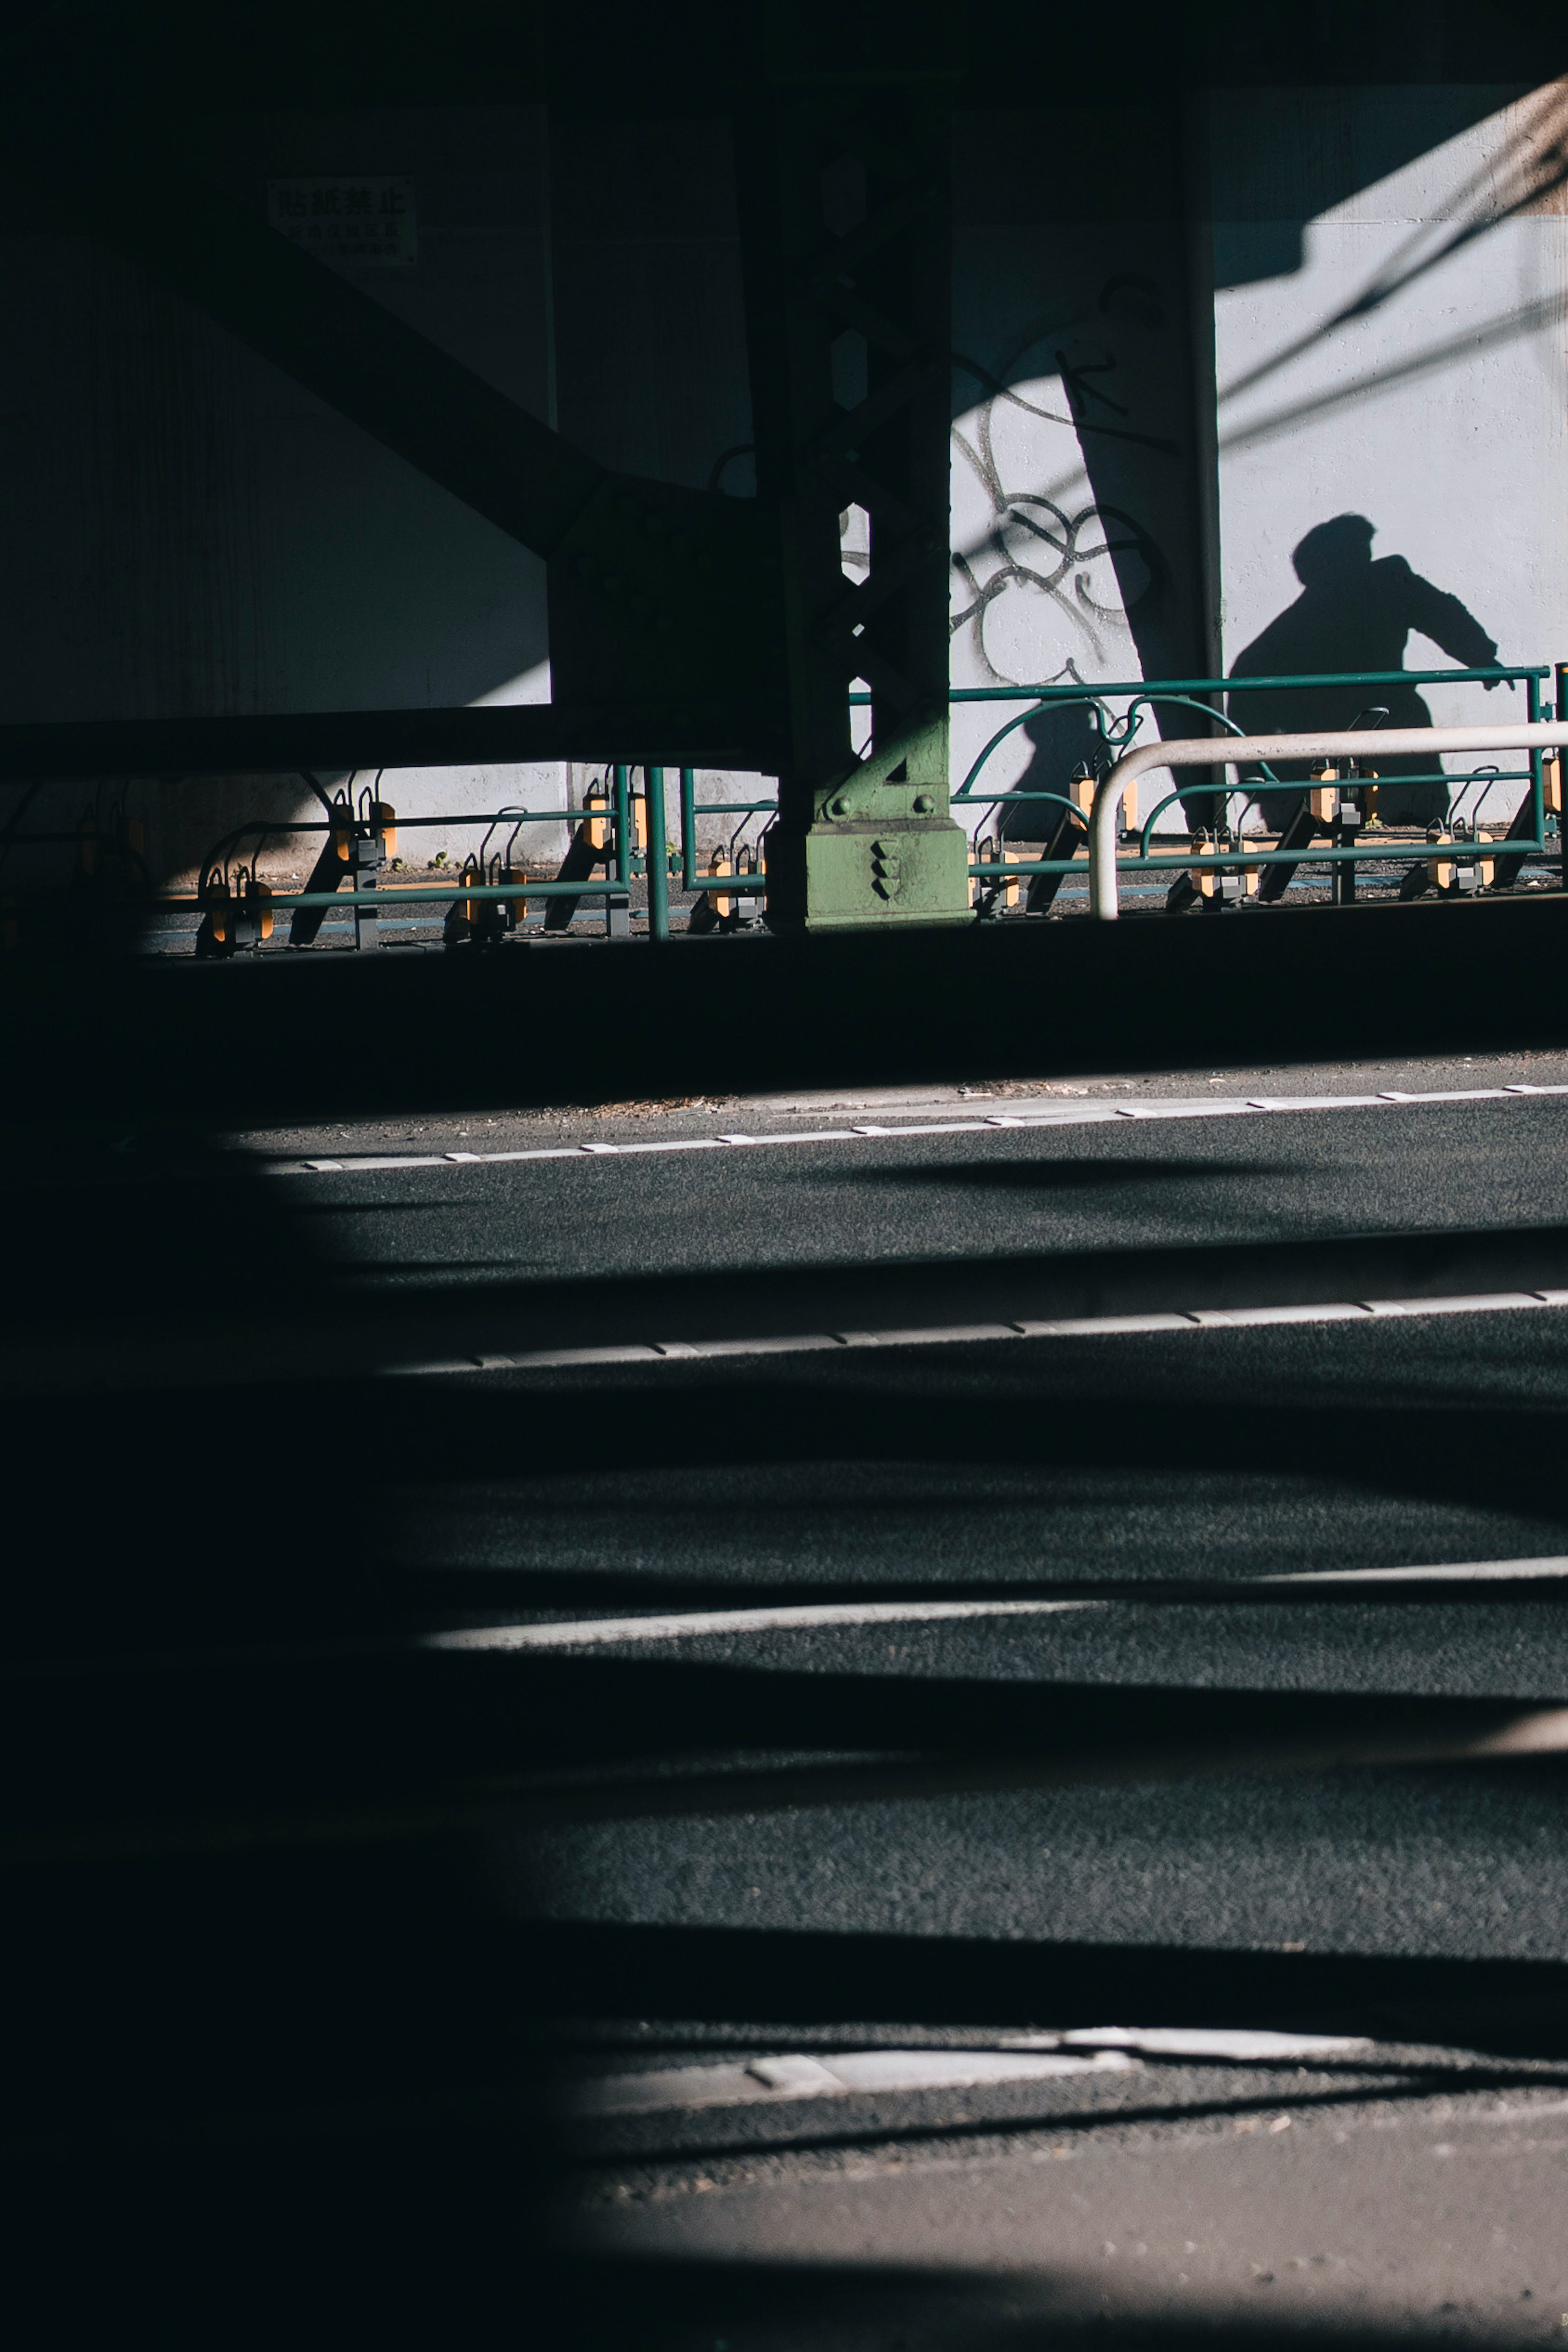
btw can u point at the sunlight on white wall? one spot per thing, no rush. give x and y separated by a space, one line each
1035 595
459 792
1034 584
528 685
1413 371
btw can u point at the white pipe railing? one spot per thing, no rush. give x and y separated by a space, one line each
1233 751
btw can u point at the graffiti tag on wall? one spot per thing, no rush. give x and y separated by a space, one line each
1042 573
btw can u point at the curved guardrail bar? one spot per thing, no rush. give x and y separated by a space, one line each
1114 733
1063 800
1062 702
1488 778
1199 752
1203 694
1193 793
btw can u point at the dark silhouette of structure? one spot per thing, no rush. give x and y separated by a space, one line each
1353 613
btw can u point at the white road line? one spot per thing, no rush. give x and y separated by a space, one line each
1210 2041
791 2076
1093 1114
582 1634
1077 1326
777 2080
808 1616
1465 1572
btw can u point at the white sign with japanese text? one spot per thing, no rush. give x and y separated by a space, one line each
366 224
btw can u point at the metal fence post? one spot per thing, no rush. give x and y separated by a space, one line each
623 828
687 829
657 859
1537 795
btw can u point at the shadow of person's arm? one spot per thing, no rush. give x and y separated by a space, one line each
1450 625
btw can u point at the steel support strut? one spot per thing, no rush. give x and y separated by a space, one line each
846 235
680 617
662 598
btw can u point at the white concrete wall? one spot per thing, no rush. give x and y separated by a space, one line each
1390 287
1412 368
1046 580
1075 519
192 532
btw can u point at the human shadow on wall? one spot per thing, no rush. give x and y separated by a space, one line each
1355 612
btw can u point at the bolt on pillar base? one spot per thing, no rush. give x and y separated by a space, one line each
881 852
868 874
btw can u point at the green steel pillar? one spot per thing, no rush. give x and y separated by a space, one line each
846 222
657 857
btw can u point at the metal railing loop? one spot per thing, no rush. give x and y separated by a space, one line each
1198 751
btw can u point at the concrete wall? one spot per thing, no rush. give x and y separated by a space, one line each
1077 452
1363 313
191 530
194 532
1398 350
1182 338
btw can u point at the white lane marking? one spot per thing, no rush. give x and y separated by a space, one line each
1543 1731
582 1634
789 1617
933 1338
1091 1114
1226 1106
1080 1327
1209 2042
791 2076
1467 1571
1242 1319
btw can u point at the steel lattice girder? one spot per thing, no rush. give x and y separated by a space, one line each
846 214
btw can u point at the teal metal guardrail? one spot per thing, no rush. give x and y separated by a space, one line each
1338 772
1115 735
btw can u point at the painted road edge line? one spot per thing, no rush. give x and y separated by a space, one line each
1079 1327
1067 1115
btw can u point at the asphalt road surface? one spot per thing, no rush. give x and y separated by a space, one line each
1125 1383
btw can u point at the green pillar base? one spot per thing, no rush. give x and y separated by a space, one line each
870 874
881 853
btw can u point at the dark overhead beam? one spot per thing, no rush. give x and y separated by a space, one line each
707 735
